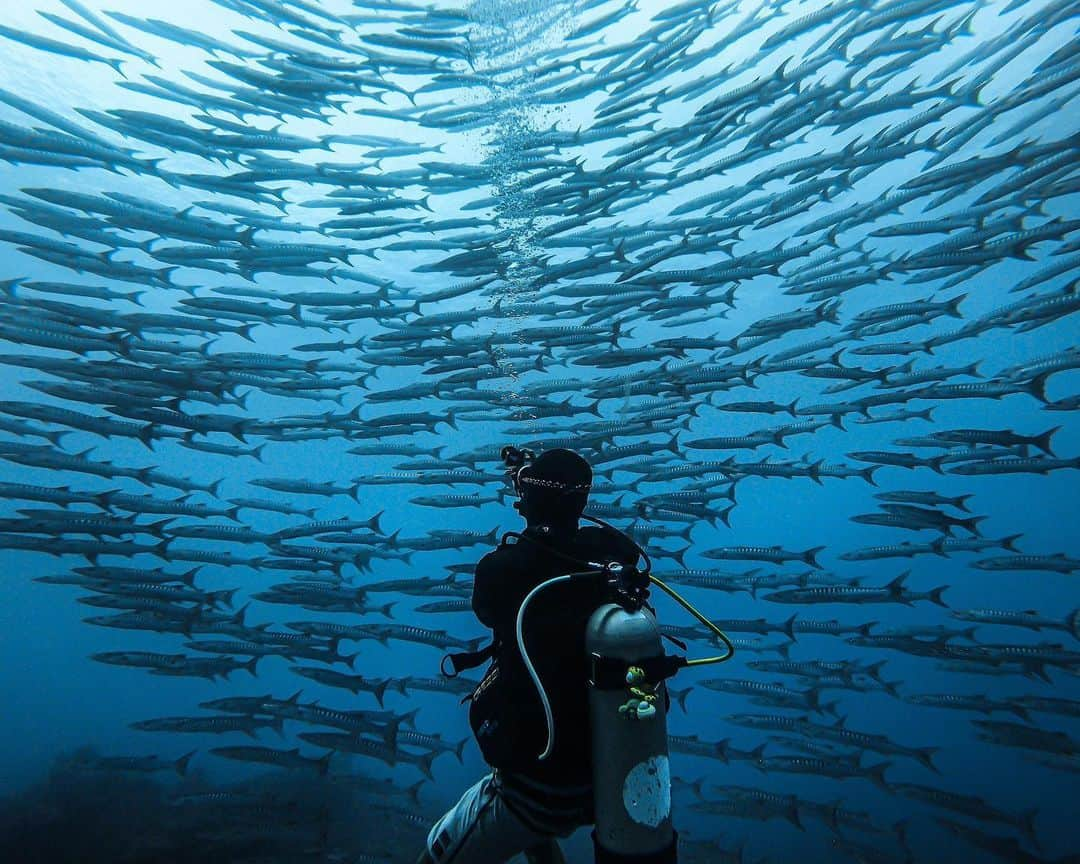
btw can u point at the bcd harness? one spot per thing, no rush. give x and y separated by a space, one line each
626 586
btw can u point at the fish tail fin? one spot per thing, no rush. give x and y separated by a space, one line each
1073 623
181 764
390 731
250 665
877 775
164 276
55 438
1043 441
459 750
373 522
379 691
1007 542
925 756
972 525
414 791
323 762
960 503
810 556
721 749
963 26
874 669
681 696
1037 386
952 306
1019 711
972 94
425 762
935 596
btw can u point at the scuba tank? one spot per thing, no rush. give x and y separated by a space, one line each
631 774
627 708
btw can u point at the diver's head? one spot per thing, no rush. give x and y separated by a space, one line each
554 489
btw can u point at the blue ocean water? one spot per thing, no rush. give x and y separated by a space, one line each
915 149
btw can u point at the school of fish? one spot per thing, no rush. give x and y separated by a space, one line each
741 255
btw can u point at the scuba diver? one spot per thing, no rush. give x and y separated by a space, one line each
573 652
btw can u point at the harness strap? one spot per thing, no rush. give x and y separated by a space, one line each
609 673
467 660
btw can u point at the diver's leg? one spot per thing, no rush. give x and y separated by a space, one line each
456 820
545 853
479 829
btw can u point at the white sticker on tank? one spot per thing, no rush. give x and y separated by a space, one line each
647 791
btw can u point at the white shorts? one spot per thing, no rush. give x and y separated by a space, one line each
482 829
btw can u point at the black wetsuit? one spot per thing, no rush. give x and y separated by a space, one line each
560 787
